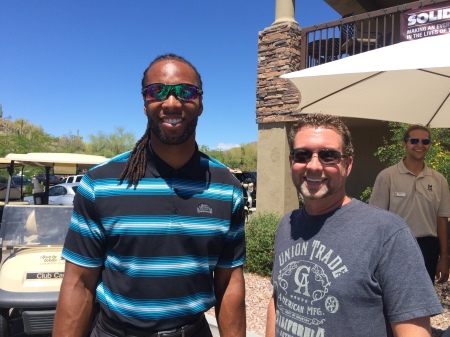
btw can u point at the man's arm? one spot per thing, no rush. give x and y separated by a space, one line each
380 192
229 289
76 301
417 327
270 325
442 266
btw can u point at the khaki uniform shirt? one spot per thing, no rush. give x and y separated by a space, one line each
419 200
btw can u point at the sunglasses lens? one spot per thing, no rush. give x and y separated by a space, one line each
157 91
160 91
186 92
329 156
414 141
302 156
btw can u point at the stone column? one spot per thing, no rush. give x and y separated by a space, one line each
284 11
276 101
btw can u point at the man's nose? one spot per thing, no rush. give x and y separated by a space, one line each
314 163
172 100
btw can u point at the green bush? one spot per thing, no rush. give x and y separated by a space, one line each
28 190
260 235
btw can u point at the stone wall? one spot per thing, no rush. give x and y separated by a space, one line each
278 54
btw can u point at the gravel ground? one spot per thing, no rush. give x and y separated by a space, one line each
258 291
440 323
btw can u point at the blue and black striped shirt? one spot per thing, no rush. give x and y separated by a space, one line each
160 241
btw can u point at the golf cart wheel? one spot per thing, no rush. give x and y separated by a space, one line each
4 323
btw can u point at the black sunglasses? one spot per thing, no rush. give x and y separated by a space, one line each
326 157
414 141
160 91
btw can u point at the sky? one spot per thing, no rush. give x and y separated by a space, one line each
75 67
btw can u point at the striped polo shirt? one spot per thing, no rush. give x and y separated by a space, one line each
160 241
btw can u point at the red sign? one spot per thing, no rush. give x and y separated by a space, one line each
425 21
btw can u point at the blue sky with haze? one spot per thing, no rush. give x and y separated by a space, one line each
75 67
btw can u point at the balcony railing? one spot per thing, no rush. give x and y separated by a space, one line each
354 34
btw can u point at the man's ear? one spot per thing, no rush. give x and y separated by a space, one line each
349 165
404 144
145 110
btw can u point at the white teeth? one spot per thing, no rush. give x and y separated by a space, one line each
314 180
172 121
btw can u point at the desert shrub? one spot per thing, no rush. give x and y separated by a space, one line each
260 234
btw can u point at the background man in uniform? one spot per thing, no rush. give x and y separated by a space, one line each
420 196
340 264
157 234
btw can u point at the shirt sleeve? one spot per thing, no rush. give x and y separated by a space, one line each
381 191
85 240
444 205
233 252
401 269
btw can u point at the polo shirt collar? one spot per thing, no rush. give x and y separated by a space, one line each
426 171
158 168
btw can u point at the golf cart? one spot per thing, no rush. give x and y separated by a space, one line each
247 189
31 238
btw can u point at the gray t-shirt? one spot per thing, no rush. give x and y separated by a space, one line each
350 272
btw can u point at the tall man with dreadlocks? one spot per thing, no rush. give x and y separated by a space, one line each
157 234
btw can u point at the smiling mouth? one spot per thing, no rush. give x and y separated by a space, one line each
314 180
173 121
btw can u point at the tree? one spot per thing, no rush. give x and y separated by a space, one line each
71 144
20 136
249 155
110 145
243 157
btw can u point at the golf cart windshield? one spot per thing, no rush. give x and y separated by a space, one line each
25 226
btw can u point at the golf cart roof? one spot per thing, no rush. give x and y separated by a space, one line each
4 163
62 163
55 160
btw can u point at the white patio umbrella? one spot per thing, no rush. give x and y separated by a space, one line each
408 82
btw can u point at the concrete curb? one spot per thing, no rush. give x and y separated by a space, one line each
215 330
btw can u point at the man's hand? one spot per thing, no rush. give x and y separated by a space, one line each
229 288
442 271
74 312
442 266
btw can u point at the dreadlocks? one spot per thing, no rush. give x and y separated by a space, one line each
137 162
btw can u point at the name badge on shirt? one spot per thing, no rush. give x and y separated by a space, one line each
399 194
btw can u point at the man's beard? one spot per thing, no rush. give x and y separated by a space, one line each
155 127
323 192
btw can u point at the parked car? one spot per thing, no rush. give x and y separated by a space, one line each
19 180
54 179
61 194
71 179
